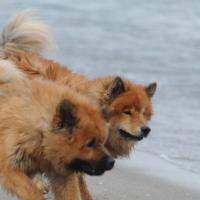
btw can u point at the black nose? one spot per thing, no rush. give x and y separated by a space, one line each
109 163
145 131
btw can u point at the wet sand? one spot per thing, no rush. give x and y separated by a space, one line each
120 184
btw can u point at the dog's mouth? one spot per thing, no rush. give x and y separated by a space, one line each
130 136
88 168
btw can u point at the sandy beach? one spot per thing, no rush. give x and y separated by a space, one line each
145 177
132 180
121 185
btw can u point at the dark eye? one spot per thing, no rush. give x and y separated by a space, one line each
92 143
144 112
127 112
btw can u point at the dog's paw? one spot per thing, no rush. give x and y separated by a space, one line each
41 183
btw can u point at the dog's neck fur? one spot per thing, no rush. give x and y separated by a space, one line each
39 67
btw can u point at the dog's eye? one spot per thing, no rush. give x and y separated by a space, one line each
92 143
127 112
144 112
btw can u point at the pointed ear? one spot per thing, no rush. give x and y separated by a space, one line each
65 115
150 89
116 88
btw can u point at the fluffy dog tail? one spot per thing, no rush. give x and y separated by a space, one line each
26 32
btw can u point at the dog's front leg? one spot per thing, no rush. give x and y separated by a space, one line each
65 188
85 194
19 184
40 182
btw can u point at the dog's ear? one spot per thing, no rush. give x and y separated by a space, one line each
116 88
65 115
150 89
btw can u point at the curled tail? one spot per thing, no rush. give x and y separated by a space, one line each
26 32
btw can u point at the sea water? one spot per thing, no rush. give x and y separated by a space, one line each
143 41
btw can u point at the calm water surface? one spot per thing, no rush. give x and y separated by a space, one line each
143 41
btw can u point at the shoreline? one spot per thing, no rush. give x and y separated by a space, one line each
123 185
154 166
145 177
141 177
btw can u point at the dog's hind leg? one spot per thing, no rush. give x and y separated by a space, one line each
19 184
65 188
85 194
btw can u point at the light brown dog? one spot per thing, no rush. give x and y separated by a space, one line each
125 105
47 128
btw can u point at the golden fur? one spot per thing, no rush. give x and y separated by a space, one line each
34 138
25 31
125 105
133 98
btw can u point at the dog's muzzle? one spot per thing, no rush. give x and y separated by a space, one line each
145 130
93 168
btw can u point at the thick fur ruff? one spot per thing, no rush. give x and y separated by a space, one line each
125 105
133 98
44 128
